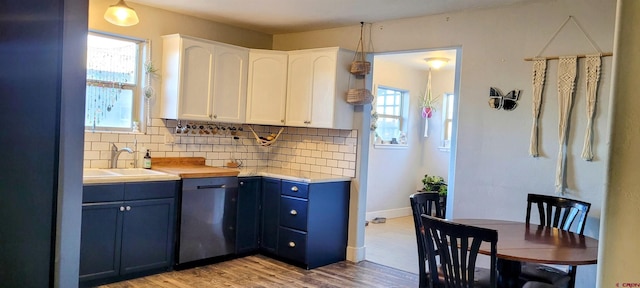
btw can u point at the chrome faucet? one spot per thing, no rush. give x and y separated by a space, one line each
115 153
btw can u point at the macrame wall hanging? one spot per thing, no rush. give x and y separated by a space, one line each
592 69
567 70
539 72
567 67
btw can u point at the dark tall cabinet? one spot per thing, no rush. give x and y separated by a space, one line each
43 55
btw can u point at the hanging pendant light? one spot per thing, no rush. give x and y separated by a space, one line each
436 62
120 14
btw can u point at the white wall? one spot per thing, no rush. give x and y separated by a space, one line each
619 248
493 171
405 167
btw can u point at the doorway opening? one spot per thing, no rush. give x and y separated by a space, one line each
406 144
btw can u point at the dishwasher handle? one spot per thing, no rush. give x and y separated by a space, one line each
211 186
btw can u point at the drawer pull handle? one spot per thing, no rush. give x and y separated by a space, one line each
121 208
292 244
294 212
211 186
294 188
128 208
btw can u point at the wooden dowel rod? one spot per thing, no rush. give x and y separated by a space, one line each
558 57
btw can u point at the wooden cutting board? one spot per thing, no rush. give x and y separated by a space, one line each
190 167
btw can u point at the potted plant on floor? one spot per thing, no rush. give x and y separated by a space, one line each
438 185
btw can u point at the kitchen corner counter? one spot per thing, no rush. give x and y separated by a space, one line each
292 175
194 167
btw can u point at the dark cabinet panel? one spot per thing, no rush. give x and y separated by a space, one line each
100 240
147 235
248 220
269 215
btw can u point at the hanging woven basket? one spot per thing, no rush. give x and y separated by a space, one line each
359 96
360 67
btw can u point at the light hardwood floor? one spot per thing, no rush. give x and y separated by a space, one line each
262 271
393 244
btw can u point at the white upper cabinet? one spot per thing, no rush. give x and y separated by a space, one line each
267 87
316 89
203 80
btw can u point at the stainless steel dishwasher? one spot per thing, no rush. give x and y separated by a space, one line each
207 218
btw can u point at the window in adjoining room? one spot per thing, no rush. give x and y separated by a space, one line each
112 97
391 115
447 121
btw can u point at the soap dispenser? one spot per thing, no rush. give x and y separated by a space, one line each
146 162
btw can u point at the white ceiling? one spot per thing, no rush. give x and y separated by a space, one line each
286 16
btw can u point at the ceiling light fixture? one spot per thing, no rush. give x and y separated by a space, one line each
436 62
122 15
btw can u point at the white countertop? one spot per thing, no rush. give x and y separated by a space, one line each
98 176
292 175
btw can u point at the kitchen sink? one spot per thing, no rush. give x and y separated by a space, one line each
135 171
95 175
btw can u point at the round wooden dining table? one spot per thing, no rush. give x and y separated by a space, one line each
521 242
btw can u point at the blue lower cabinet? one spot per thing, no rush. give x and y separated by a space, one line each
123 238
269 222
248 218
313 222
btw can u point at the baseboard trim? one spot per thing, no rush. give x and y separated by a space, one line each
391 213
355 254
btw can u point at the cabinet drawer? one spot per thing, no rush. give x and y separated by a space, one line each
150 190
293 213
292 245
102 193
295 189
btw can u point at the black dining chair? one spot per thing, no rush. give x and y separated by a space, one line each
424 203
562 213
457 246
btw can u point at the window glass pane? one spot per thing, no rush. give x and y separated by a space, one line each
108 107
388 128
112 65
449 106
111 60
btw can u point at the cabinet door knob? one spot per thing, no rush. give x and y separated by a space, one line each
241 183
292 244
294 188
215 116
128 208
281 120
121 208
293 212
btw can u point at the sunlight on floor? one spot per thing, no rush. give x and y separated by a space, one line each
392 244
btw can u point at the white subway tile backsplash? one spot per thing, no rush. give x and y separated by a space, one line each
109 137
91 136
308 149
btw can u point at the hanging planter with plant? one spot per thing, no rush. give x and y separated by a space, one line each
427 106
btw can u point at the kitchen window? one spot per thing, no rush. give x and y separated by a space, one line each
112 95
391 116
